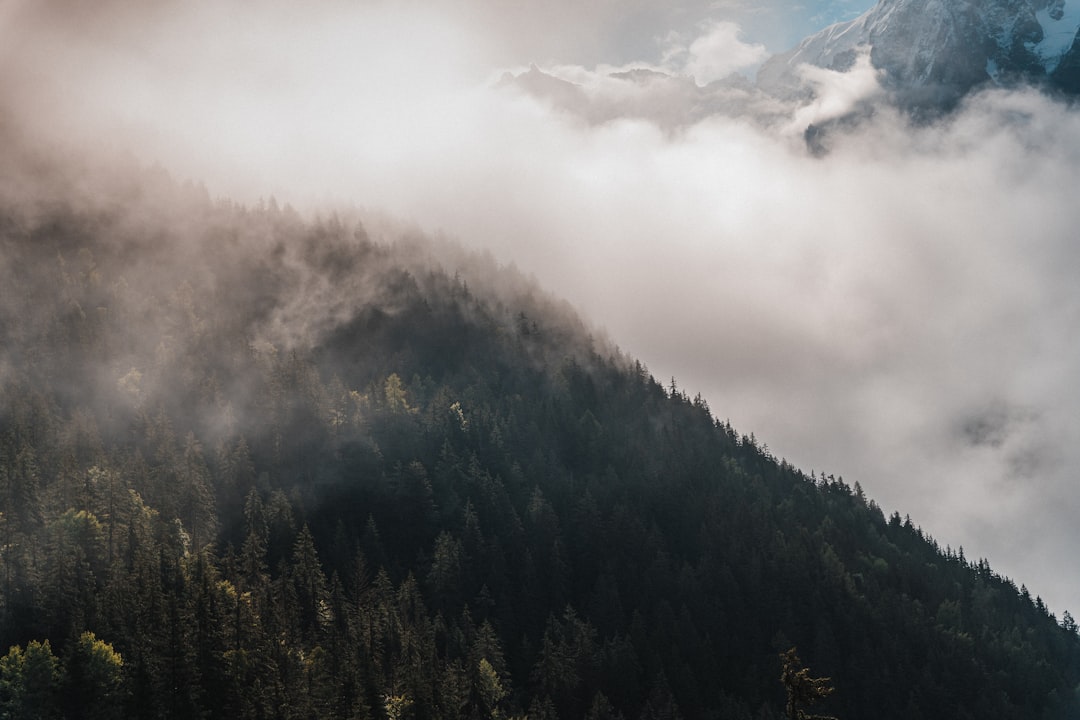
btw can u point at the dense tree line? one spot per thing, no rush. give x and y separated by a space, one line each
254 466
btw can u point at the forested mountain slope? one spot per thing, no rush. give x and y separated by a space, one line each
257 466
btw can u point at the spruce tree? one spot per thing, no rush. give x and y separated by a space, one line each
802 690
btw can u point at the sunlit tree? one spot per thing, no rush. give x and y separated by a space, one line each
802 690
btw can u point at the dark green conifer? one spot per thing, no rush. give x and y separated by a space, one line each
802 690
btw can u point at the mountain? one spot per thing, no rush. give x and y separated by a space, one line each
933 52
560 93
256 465
670 101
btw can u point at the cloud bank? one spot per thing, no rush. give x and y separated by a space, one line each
901 311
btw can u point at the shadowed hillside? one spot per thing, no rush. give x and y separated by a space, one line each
254 465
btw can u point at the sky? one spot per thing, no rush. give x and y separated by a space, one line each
901 311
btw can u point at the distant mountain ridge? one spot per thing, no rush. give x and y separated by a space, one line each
669 100
929 54
933 52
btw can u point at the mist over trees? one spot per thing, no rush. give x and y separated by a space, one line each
254 465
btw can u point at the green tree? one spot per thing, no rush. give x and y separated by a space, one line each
28 682
74 551
21 517
489 690
567 664
445 576
394 394
94 682
197 508
309 584
802 690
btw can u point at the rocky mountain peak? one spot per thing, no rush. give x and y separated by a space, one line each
933 52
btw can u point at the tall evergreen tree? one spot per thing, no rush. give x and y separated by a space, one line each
802 690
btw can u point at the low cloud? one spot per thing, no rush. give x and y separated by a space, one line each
837 94
900 311
719 51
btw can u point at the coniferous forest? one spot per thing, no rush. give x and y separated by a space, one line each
257 465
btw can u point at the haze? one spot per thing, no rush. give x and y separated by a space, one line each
901 311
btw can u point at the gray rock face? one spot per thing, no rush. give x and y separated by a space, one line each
1066 76
932 52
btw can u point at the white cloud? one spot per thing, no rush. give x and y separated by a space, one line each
714 54
835 94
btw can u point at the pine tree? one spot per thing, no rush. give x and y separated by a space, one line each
94 685
802 690
28 682
309 584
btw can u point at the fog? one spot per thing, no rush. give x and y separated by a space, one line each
901 311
